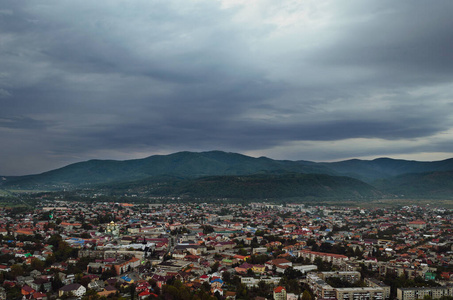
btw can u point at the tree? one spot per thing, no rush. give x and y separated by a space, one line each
56 283
226 276
54 240
215 266
306 295
108 273
84 281
50 260
91 295
87 226
17 270
290 272
242 252
85 235
132 291
205 286
315 247
254 243
37 264
358 253
13 292
207 229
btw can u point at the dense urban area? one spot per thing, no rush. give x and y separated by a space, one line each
106 250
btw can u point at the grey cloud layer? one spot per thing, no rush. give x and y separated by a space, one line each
80 79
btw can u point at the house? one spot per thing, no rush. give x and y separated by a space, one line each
4 268
183 276
329 257
145 294
230 295
35 273
292 296
122 267
108 290
70 226
27 290
40 283
279 261
222 246
419 224
216 286
259 269
74 289
39 296
279 293
243 268
160 279
97 285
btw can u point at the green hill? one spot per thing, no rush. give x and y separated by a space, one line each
381 168
280 186
262 186
182 164
430 185
222 174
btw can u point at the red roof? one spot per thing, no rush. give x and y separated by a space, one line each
279 289
39 295
417 222
144 293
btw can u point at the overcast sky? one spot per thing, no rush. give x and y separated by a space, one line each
299 80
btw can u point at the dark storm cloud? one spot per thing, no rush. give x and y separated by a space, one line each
22 123
83 80
406 43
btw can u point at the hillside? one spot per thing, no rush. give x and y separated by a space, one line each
382 168
262 186
430 185
280 186
181 164
222 174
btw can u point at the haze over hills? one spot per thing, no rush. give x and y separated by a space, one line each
222 174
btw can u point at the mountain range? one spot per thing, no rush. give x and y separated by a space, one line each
233 175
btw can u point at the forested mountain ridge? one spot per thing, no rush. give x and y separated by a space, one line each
217 174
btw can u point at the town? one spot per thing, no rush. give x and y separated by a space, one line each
112 250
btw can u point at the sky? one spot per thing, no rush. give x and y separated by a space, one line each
298 80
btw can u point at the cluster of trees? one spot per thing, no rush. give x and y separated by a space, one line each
61 249
258 259
337 249
175 290
179 230
207 229
323 265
